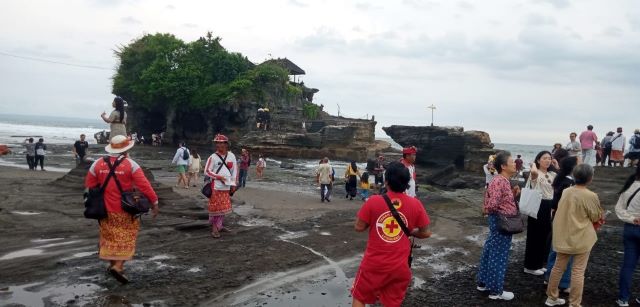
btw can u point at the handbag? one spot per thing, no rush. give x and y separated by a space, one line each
530 200
132 202
94 207
400 222
510 224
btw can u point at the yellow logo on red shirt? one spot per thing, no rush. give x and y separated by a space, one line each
388 228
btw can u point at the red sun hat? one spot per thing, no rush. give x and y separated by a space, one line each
412 150
221 138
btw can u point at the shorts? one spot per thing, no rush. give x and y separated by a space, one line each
379 179
182 169
390 287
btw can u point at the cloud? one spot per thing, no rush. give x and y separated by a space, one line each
612 32
170 7
421 5
298 3
130 20
464 5
539 20
190 25
559 4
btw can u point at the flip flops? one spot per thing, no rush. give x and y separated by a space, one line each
118 276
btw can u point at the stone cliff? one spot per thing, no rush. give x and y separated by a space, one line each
444 146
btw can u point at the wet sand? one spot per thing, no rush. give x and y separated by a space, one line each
286 249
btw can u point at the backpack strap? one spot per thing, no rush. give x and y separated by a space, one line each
632 196
112 172
224 162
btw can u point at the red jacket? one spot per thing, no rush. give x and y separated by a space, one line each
129 174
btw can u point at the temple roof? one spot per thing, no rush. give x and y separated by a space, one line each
288 65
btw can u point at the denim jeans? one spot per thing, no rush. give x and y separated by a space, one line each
565 281
242 181
631 241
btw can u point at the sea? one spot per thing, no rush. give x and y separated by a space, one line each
14 129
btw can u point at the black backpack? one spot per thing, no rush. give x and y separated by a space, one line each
636 142
185 153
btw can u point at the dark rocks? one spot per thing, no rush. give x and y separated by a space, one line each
287 165
442 146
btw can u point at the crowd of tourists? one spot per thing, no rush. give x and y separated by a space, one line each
608 151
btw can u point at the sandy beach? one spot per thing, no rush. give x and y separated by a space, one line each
286 247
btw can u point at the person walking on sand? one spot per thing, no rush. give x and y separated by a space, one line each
409 160
323 178
628 211
30 150
41 149
588 140
260 166
194 167
618 143
364 186
181 159
117 119
351 176
222 168
574 234
573 147
119 230
385 272
499 200
539 229
245 162
634 149
563 180
80 149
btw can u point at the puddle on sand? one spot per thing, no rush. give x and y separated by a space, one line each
79 255
195 270
160 257
325 233
253 222
34 251
61 295
26 212
293 235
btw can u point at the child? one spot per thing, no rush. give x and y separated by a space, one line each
364 186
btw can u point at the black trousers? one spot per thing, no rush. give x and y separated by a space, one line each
31 161
325 191
39 159
606 153
538 235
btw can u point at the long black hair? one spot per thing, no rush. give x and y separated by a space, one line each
539 156
354 167
119 102
630 180
566 168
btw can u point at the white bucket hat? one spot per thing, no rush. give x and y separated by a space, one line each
119 144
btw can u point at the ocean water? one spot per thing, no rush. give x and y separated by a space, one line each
14 129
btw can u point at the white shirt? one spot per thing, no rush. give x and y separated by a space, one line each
178 157
411 190
628 214
230 173
619 142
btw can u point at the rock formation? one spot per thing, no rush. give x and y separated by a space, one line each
443 146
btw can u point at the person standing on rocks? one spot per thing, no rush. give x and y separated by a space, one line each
385 272
222 168
539 229
30 149
499 200
80 149
628 211
41 149
409 160
573 147
618 143
119 230
351 176
588 139
117 119
574 234
181 159
606 148
245 162
323 178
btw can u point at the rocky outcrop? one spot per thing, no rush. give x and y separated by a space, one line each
443 146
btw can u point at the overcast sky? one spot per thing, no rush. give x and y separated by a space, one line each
526 71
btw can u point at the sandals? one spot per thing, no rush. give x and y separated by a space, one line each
118 275
215 234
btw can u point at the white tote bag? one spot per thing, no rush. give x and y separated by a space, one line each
530 201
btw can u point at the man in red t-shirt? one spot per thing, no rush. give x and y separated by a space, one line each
384 272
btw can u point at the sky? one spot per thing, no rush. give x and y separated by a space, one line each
525 71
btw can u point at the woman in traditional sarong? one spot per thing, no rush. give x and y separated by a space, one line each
119 230
222 168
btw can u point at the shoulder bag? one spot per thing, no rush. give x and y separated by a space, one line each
509 224
132 202
94 207
530 200
207 189
404 228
